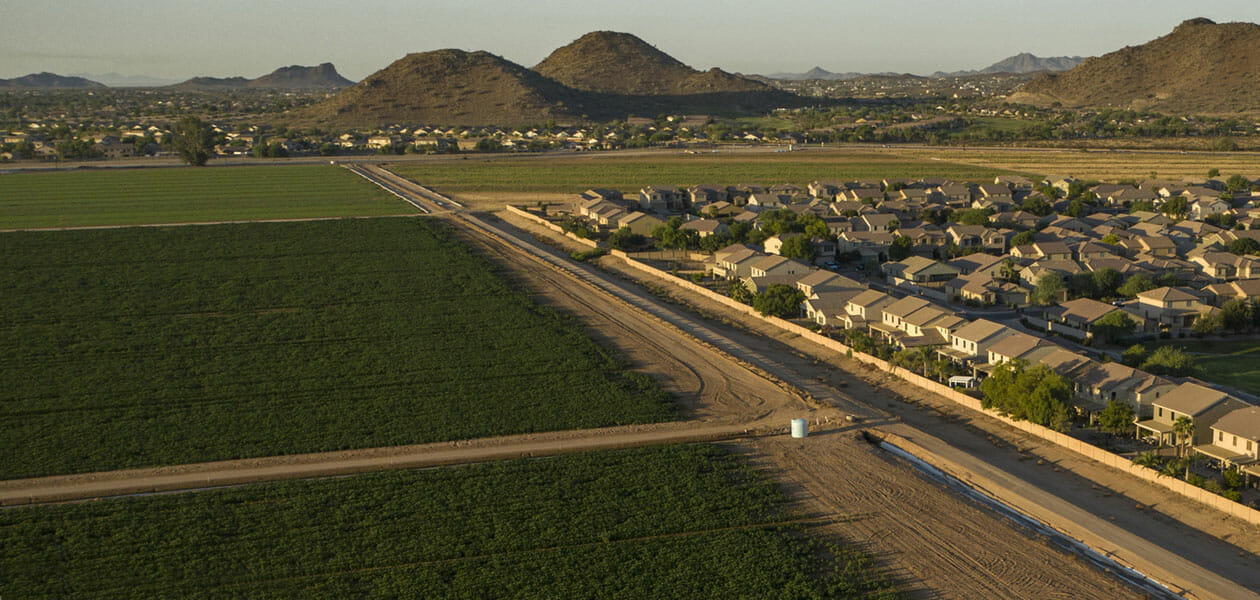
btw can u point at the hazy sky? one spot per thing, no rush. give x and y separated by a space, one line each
177 39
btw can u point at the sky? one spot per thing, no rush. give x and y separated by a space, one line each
178 39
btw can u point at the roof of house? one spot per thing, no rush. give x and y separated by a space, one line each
1086 310
905 306
1017 344
869 298
1167 294
1244 423
980 330
1191 398
705 225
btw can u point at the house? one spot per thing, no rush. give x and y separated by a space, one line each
825 281
706 227
1009 348
1236 440
659 198
1242 289
769 200
826 189
995 192
878 222
777 265
1077 317
639 222
774 243
865 308
979 262
920 271
1052 250
734 262
705 195
827 307
972 341
913 321
1201 404
1171 308
1225 266
1101 383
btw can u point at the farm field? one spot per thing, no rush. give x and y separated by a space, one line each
148 346
183 195
572 174
1097 164
689 521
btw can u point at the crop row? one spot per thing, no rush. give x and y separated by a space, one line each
134 196
673 521
135 347
573 175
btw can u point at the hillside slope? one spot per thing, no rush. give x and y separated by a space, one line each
323 76
448 87
1201 67
620 63
48 80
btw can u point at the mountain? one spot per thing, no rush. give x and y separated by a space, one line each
820 73
1201 67
295 77
448 87
211 83
112 79
621 63
306 78
1027 63
602 76
48 80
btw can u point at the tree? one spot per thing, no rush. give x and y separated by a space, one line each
779 300
1110 239
192 140
1023 238
900 248
1117 417
1135 284
1114 326
1048 289
1183 429
1209 323
1033 393
1214 173
972 216
1236 184
1106 281
799 247
1037 205
1167 360
739 292
1236 314
1244 246
1176 207
624 239
488 145
1133 355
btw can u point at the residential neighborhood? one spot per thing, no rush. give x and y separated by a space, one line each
959 279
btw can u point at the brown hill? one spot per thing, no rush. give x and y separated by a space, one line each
324 76
1201 67
620 63
449 87
48 80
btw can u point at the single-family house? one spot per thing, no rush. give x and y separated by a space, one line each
1236 440
660 198
1202 405
971 342
920 271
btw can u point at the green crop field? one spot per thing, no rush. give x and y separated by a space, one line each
574 174
143 196
148 346
690 521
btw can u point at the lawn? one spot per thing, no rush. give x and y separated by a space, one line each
1232 363
144 196
147 346
574 174
691 521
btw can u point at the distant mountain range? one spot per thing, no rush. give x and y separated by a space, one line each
112 79
1020 63
319 77
295 77
1201 67
601 76
48 80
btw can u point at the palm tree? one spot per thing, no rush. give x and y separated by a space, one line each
1183 428
924 355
